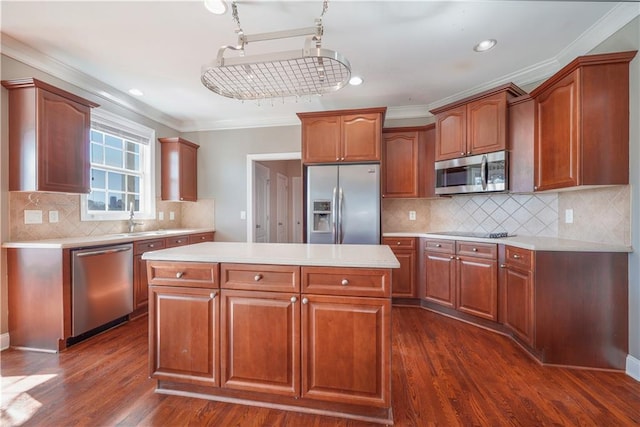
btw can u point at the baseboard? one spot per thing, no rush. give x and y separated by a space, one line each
633 367
4 341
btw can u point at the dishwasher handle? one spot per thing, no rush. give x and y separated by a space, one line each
103 252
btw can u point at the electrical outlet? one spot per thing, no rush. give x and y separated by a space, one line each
412 215
243 214
32 217
53 217
172 216
568 216
160 216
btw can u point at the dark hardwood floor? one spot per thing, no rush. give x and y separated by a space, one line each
445 373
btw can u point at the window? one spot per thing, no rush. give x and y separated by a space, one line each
122 169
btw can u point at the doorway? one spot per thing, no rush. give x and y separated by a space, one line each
273 205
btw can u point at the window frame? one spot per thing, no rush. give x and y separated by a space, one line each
147 205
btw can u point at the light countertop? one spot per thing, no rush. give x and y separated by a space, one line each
367 256
106 239
551 244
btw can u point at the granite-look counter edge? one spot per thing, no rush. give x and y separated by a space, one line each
551 244
364 256
105 239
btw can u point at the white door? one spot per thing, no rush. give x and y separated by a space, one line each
296 200
282 208
261 205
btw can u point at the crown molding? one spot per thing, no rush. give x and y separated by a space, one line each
34 58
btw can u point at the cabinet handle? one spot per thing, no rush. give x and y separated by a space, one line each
305 300
468 153
535 187
452 257
462 154
475 249
294 299
344 282
503 265
457 257
257 277
213 294
151 245
516 256
179 275
398 243
438 245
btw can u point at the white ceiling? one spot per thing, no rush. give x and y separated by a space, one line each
413 55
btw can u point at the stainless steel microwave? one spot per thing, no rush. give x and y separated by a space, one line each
473 174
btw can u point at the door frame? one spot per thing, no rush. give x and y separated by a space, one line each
251 162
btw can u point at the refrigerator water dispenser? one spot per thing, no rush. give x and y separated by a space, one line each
322 216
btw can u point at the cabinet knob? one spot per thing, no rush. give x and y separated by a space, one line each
344 282
452 257
462 154
257 277
294 299
305 300
213 294
457 257
179 275
503 265
535 187
181 198
468 153
151 245
438 245
475 249
516 256
398 243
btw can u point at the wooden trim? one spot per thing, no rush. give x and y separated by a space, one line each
309 115
178 140
409 128
509 87
31 82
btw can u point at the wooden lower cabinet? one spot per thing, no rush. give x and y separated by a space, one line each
403 283
260 335
440 271
477 287
183 335
518 290
346 343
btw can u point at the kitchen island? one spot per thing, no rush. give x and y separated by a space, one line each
288 326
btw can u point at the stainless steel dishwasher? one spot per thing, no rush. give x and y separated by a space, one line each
101 286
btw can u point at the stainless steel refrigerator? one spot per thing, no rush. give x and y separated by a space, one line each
343 204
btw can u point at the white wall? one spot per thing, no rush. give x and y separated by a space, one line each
222 175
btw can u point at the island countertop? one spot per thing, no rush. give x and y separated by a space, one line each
363 256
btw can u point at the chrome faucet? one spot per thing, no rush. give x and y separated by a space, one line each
132 223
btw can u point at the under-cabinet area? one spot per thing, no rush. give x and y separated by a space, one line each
309 336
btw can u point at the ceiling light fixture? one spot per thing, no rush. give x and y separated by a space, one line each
135 92
355 81
219 7
308 71
485 45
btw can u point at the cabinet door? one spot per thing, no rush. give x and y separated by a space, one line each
346 343
486 124
440 281
451 134
188 173
361 134
477 287
556 151
400 164
321 139
260 338
404 278
63 144
183 334
519 303
140 283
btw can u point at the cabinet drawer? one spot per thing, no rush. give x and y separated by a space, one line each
185 274
200 237
519 257
368 282
143 246
479 250
278 278
400 242
444 246
177 241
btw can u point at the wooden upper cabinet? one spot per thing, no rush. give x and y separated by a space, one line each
474 125
407 162
582 123
342 136
179 169
48 138
521 142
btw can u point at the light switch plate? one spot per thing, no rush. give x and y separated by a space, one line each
32 217
53 217
172 215
243 214
568 216
160 216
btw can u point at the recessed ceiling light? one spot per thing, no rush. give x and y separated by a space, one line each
219 7
355 81
485 45
136 92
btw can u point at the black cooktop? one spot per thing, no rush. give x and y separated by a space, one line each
480 234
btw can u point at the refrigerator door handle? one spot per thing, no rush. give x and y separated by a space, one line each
334 214
340 202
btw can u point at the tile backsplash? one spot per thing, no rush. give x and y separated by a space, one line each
599 214
198 214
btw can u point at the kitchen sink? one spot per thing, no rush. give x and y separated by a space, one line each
143 233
